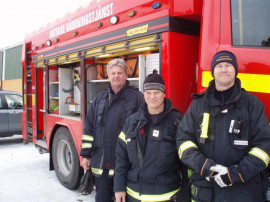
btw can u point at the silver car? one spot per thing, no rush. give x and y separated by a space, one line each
11 107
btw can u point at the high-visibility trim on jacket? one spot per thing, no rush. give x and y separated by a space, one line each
86 145
97 171
144 197
189 173
88 138
111 172
122 136
260 154
186 145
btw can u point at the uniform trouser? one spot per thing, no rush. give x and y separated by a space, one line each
104 187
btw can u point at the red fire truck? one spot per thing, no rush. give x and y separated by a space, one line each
64 63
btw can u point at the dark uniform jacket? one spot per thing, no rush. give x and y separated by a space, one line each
105 119
147 164
238 138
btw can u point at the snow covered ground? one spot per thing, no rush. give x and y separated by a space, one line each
25 175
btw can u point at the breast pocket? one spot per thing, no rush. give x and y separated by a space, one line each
239 133
128 109
166 148
168 140
99 116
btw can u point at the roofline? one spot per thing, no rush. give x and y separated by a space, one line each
12 46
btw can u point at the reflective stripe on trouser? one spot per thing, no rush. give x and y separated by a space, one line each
104 187
146 197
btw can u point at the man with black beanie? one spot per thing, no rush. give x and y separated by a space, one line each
147 164
224 138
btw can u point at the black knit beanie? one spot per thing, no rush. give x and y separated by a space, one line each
154 81
224 56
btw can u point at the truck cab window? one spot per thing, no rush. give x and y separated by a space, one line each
250 23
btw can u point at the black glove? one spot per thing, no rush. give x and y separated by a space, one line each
184 195
87 182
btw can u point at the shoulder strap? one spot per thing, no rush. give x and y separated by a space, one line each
140 156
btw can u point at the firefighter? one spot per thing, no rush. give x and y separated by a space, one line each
104 121
147 163
224 138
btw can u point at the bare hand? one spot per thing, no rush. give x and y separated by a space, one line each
120 196
86 163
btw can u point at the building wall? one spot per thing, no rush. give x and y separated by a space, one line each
12 84
11 68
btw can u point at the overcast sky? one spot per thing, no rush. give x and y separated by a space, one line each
20 17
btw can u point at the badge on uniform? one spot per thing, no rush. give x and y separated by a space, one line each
241 142
235 127
155 133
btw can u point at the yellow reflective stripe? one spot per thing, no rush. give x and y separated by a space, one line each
251 82
205 125
97 171
86 145
186 145
189 173
144 197
88 138
134 194
122 136
260 154
111 172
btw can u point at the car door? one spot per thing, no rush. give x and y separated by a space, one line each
4 116
14 103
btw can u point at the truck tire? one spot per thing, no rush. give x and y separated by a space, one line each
66 160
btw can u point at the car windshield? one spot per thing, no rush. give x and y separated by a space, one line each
14 101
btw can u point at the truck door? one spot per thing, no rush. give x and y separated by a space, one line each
40 101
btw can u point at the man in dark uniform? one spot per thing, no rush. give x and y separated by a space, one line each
224 138
147 163
105 119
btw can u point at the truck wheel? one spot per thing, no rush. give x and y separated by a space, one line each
65 159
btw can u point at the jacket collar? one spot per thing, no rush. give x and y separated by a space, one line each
118 94
235 95
143 114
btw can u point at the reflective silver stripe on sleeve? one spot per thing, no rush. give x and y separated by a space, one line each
86 145
88 138
259 153
184 146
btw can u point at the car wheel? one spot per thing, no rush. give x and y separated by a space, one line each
65 159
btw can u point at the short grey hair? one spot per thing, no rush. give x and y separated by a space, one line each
117 62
